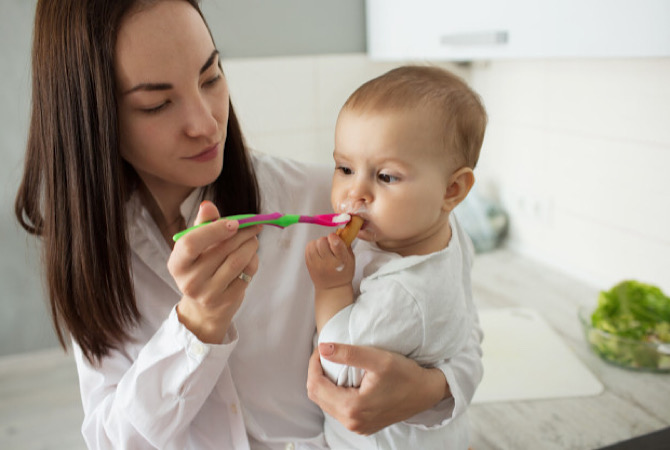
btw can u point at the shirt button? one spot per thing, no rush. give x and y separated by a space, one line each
197 348
290 446
233 408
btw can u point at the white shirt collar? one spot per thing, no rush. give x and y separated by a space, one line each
376 262
146 240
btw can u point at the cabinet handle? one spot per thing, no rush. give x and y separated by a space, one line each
475 38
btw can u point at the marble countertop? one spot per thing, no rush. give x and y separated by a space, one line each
631 404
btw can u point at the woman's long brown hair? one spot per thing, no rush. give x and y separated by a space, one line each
75 183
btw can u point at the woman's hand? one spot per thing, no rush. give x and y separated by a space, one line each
206 263
393 389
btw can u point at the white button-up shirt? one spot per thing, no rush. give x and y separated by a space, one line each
166 389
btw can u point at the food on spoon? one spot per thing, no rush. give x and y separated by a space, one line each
342 218
349 232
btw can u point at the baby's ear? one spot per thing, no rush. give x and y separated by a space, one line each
458 187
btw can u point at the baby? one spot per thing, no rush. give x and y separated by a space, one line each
406 144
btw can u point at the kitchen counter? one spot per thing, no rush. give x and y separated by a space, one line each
40 406
631 403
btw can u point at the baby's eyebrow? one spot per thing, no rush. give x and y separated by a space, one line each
168 86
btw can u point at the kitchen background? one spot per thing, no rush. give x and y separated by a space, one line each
577 151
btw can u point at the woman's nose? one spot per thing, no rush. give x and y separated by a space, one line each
200 119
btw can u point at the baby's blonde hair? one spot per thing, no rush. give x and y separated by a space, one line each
412 87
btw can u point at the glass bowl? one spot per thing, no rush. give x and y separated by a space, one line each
624 352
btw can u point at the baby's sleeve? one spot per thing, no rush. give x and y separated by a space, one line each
386 317
463 373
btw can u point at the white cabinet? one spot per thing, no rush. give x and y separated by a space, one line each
505 29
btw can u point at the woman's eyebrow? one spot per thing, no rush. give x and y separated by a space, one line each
168 86
209 61
149 87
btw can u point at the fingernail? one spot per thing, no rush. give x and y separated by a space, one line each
326 349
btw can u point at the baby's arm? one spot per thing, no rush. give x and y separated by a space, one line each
331 267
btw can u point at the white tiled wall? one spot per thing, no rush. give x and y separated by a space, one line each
288 106
578 151
24 320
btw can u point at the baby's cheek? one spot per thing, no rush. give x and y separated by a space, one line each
394 223
405 222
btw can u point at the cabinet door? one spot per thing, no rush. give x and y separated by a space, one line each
498 29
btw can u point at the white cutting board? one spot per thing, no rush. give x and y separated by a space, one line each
524 359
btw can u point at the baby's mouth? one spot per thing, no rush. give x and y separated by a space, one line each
348 207
366 222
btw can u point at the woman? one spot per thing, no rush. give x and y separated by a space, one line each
131 129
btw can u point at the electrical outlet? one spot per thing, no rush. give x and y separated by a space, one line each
542 210
533 208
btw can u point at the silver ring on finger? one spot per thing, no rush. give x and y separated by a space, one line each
244 277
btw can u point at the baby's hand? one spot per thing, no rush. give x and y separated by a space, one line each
330 262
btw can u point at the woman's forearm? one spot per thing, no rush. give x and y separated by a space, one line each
393 389
131 402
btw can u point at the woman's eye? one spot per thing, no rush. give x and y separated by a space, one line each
155 109
212 81
386 178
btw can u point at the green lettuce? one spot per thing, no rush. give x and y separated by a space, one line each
637 312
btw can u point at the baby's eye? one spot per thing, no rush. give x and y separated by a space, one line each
345 170
387 178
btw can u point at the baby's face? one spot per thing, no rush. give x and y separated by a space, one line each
390 169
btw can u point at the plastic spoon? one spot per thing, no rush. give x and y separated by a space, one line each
278 220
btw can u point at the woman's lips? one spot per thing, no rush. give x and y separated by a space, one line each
207 155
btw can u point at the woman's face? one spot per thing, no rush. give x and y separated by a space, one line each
172 99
